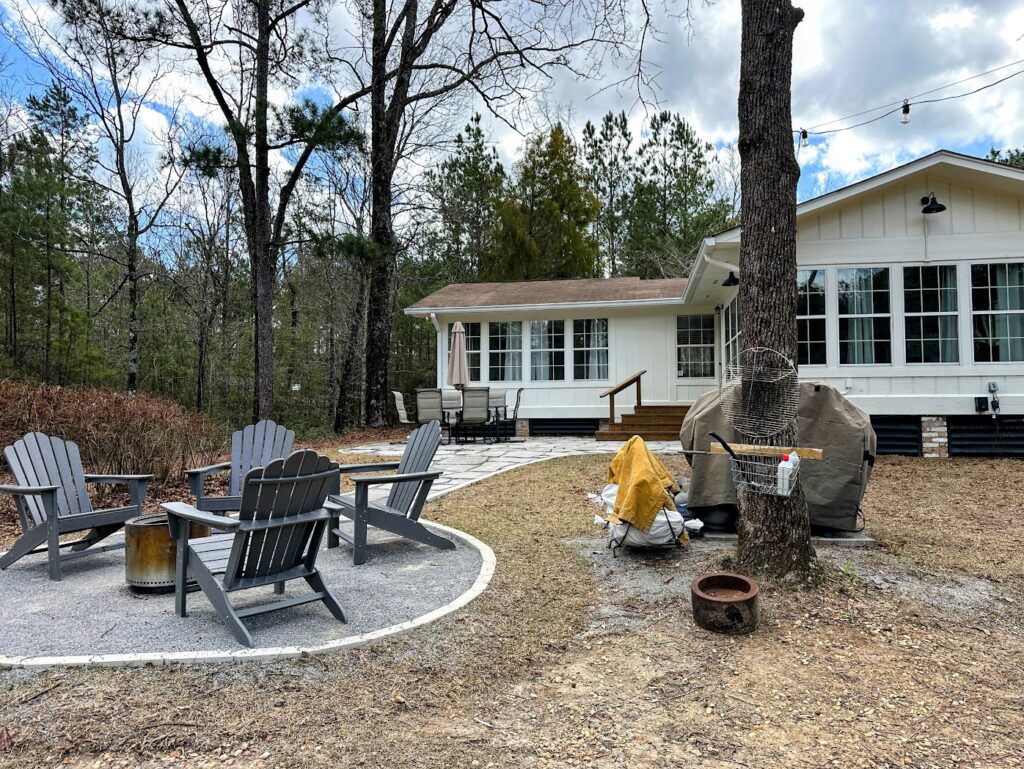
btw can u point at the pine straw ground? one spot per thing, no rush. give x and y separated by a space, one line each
911 656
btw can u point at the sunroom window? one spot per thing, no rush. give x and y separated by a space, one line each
505 356
865 335
810 317
547 350
930 314
997 306
472 348
590 348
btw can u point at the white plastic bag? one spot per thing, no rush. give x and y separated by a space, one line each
667 528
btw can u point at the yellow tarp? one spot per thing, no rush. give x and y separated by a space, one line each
645 485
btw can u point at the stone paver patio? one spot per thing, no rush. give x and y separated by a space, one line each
469 463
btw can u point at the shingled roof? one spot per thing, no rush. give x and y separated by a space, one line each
533 292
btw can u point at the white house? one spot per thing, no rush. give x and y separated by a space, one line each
918 317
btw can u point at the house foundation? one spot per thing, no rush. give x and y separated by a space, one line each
934 437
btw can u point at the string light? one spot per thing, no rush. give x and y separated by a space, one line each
903 108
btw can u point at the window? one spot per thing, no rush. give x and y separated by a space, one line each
810 317
505 360
590 348
695 346
997 305
731 317
930 314
864 320
547 350
472 348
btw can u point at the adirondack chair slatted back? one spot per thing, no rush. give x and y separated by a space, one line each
255 446
39 460
306 480
419 453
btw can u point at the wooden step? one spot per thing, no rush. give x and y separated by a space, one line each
666 409
647 435
651 419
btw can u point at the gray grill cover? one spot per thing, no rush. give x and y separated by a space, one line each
826 420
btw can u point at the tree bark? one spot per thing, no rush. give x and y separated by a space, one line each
774 532
132 267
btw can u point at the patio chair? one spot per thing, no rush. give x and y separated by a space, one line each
401 512
476 412
274 540
52 500
253 446
403 416
430 408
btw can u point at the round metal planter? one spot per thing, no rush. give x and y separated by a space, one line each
724 602
150 553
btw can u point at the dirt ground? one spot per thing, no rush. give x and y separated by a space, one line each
909 656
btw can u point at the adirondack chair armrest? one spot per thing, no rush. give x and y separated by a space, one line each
266 524
27 491
373 480
136 485
209 469
179 510
371 468
116 478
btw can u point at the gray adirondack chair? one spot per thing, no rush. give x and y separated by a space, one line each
275 539
252 446
400 513
52 498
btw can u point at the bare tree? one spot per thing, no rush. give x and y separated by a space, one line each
88 51
774 531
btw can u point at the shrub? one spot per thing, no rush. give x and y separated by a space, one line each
116 432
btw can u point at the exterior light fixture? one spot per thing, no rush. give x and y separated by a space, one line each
905 112
732 280
931 205
804 140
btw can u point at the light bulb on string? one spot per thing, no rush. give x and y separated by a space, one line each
804 141
905 112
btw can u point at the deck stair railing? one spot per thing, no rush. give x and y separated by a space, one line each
611 392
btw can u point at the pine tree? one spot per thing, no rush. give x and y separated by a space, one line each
546 221
466 189
610 172
673 207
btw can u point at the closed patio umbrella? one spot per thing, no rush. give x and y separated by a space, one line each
458 362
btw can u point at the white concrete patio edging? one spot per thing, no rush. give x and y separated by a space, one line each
270 653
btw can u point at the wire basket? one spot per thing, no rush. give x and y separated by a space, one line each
760 475
760 392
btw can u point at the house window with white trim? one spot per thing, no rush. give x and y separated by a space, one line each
997 308
810 317
930 314
547 350
865 319
590 348
731 317
505 356
695 346
472 348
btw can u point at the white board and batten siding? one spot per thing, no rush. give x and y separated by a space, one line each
883 226
639 338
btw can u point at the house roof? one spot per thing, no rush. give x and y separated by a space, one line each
588 291
950 164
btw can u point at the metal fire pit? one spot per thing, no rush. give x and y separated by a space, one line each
150 553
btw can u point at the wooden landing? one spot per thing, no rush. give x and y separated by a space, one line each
652 423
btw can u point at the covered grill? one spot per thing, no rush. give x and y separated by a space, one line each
826 420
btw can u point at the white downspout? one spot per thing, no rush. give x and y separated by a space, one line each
722 265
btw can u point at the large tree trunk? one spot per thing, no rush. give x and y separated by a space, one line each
384 121
350 363
774 532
